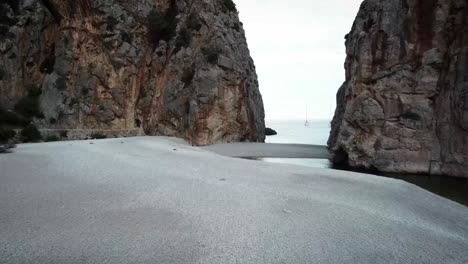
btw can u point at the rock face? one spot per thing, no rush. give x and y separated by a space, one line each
176 68
404 105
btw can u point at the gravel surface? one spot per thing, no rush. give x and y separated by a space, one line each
158 200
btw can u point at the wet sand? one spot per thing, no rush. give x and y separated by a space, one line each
270 150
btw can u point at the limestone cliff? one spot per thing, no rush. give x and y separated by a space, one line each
404 105
176 68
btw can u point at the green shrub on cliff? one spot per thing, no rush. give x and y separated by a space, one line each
97 136
11 118
187 76
162 25
183 39
47 66
52 138
236 27
61 84
30 134
411 116
5 9
193 22
111 23
14 4
211 54
6 134
29 105
228 6
63 134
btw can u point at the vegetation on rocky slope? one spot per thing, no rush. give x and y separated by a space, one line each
162 67
162 24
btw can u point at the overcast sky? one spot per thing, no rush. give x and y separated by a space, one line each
298 49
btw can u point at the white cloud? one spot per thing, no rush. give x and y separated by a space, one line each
298 48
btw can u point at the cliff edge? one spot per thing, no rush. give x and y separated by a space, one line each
164 67
404 105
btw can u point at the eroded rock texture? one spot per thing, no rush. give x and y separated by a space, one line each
100 65
404 105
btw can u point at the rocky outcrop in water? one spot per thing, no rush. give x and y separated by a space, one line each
270 132
404 105
166 67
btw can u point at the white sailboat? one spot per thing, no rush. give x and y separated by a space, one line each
307 119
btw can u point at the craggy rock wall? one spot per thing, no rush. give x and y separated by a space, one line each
404 105
98 67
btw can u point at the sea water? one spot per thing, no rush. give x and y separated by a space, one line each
317 133
296 132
